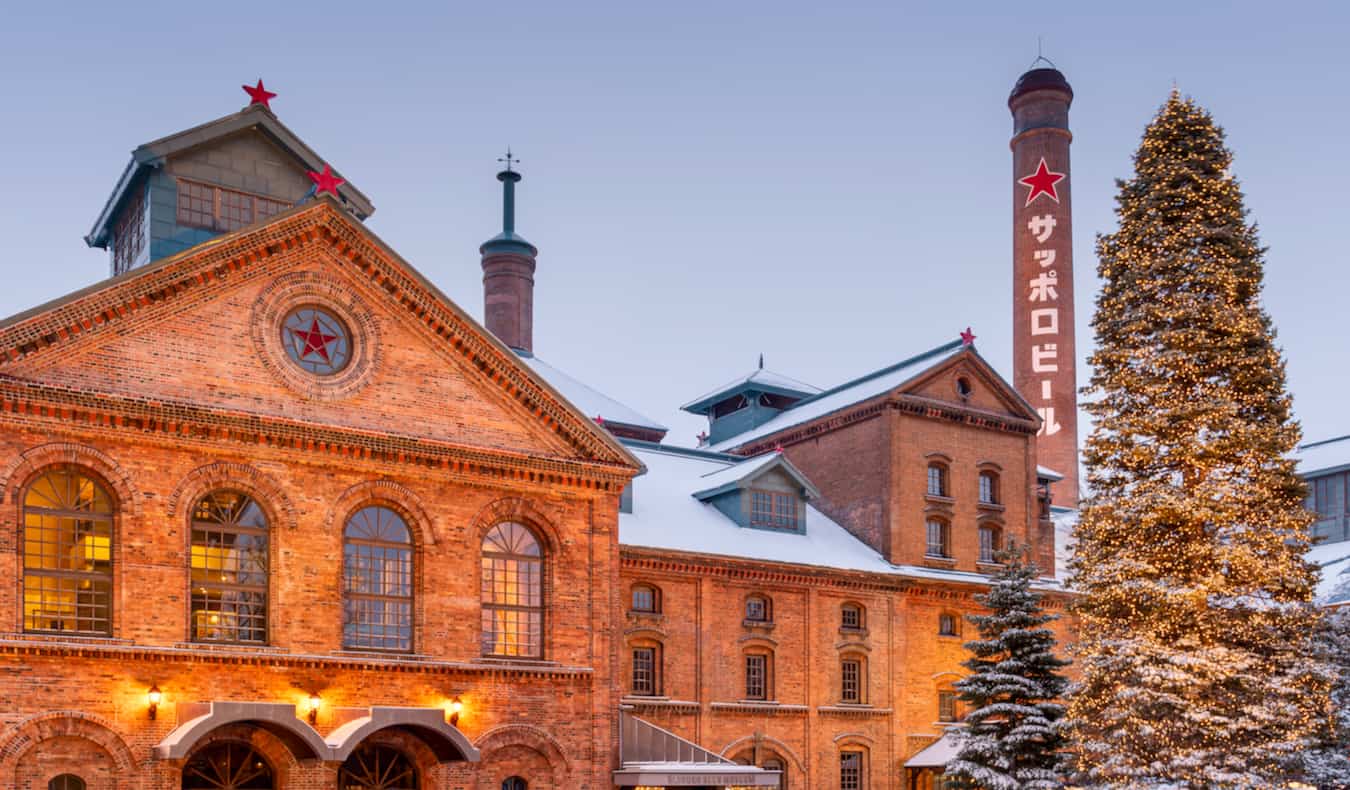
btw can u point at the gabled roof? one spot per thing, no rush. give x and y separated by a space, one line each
737 476
1324 457
760 380
593 403
85 315
255 116
863 388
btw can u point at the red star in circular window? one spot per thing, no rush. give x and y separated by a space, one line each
316 340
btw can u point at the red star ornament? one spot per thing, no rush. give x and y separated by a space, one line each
967 338
316 342
325 181
1042 182
259 95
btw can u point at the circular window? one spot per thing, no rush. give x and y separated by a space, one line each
963 387
316 340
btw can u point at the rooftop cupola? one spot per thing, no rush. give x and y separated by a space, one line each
508 272
748 402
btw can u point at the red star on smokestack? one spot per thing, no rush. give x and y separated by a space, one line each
259 95
325 181
1042 182
967 338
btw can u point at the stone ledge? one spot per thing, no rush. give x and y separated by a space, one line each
844 709
749 706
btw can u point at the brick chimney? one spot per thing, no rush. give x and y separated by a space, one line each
1043 322
508 274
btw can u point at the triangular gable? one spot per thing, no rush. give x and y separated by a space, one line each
743 474
989 391
255 116
101 313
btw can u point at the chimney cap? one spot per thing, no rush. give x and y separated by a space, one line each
1040 79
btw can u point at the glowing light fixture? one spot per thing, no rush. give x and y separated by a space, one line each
314 703
153 697
456 708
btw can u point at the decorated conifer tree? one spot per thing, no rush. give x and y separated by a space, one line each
1013 735
1195 614
1327 765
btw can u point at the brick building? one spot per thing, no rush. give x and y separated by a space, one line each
278 513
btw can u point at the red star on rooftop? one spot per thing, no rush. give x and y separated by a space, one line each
259 95
325 181
967 338
1042 182
316 342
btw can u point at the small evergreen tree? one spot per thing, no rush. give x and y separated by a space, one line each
1195 610
1328 764
1012 737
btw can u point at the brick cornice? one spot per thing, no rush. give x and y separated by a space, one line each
240 255
26 403
119 650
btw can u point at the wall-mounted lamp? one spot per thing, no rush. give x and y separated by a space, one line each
152 698
456 707
314 703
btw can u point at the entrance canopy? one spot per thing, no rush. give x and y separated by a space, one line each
653 757
936 754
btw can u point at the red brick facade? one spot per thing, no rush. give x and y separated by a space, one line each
159 388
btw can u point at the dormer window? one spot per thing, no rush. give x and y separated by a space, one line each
773 509
216 208
728 406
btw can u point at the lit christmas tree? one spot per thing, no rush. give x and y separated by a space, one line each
1328 764
1013 735
1195 614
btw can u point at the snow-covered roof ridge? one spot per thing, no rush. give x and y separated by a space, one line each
1324 456
725 479
764 378
591 402
847 394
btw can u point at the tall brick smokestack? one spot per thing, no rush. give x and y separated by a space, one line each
508 274
1043 324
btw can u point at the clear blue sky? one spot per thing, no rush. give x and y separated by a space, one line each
826 183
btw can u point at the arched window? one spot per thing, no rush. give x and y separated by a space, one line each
939 540
66 782
377 572
227 765
937 480
646 599
989 544
513 592
376 767
515 783
67 553
759 675
229 569
758 609
851 768
947 624
851 617
988 488
853 680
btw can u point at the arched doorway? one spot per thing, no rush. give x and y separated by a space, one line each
377 767
227 765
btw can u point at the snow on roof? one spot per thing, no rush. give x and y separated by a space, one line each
1064 519
860 389
1333 561
723 479
762 377
936 754
590 402
667 516
1047 472
1326 456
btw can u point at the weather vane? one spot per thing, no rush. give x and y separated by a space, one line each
508 159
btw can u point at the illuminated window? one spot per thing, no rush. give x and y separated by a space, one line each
938 545
646 599
851 617
758 609
989 544
375 767
228 764
947 624
229 569
66 782
851 680
850 770
67 553
646 671
377 581
757 676
512 592
946 706
937 480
